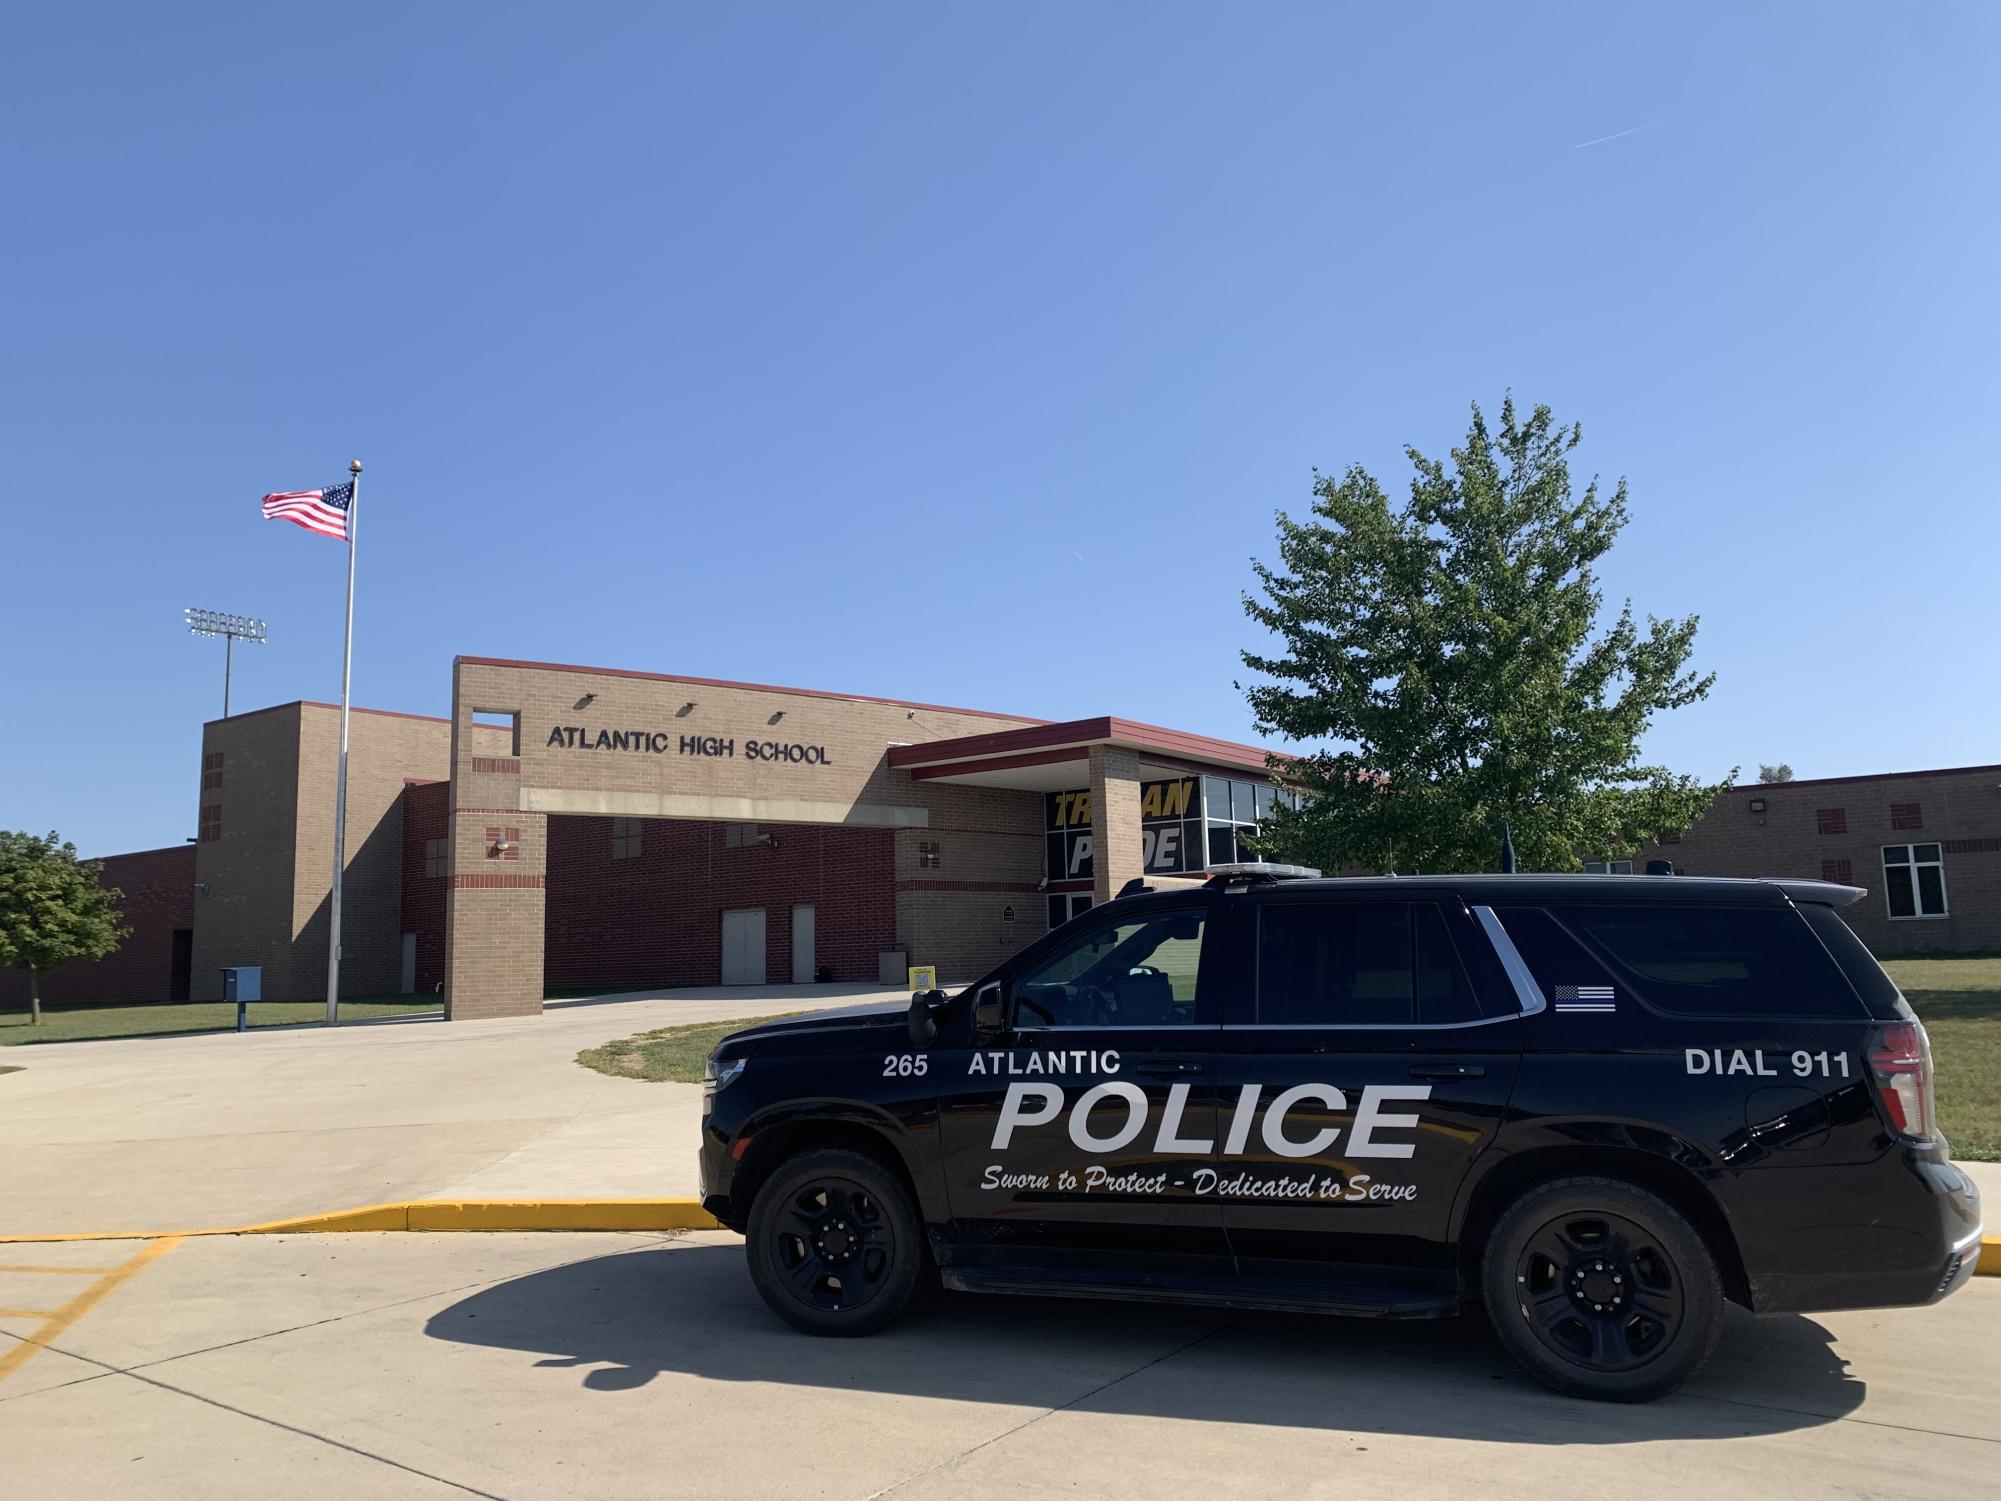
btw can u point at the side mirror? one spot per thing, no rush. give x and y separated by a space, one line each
925 1005
989 1013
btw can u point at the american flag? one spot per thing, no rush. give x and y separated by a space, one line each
322 511
1585 998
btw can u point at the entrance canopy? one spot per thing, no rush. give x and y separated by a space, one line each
1053 757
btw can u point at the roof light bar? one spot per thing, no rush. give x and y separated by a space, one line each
1260 870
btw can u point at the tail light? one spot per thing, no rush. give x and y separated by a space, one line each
1900 1058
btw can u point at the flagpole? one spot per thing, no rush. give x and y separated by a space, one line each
340 785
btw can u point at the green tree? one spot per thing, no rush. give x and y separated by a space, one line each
52 909
1783 772
1454 642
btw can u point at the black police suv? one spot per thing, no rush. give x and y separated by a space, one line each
1598 1105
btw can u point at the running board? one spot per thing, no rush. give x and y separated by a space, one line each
1357 1300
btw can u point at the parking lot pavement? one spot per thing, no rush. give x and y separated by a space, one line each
645 1366
157 1133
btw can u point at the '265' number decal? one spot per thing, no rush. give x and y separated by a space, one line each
903 1065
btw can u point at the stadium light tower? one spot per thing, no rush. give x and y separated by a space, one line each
232 629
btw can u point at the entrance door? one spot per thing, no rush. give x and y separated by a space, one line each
1087 1125
802 945
181 964
743 946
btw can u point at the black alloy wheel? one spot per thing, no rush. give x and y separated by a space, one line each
834 1243
1602 1289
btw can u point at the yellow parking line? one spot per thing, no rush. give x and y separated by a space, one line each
62 1318
27 1313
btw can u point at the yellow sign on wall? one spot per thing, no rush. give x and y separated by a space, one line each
923 977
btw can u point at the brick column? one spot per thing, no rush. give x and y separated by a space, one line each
499 874
1116 856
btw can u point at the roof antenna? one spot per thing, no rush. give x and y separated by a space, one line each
1507 850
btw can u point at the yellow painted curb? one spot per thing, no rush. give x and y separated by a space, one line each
1989 1264
448 1214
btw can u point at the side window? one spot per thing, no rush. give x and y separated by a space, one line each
1564 970
1443 992
1139 973
1335 963
1714 961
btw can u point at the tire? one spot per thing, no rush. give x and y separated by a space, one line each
1601 1289
834 1243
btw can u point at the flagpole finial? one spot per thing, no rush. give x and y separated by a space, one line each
354 466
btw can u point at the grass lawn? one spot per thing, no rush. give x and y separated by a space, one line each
668 1055
68 1023
1959 1001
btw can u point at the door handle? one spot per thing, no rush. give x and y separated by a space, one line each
1169 1068
1448 1071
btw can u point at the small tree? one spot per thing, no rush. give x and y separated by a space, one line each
1780 773
52 909
1454 642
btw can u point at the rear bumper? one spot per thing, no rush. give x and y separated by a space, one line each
1930 1256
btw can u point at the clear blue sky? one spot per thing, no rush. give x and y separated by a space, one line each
965 353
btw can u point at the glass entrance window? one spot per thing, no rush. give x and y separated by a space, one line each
1914 880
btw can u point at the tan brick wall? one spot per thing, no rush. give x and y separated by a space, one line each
1117 855
495 933
1958 810
244 880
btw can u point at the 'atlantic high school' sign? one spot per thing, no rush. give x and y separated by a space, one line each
666 743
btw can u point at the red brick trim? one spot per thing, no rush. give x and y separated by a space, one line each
670 677
1879 776
1988 846
1009 886
498 764
497 883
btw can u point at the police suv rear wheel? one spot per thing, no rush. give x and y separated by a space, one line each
834 1243
1602 1289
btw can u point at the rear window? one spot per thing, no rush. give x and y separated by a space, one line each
1715 961
1878 991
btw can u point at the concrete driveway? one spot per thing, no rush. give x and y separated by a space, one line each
169 1133
626 1366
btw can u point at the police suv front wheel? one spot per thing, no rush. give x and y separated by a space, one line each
834 1243
1602 1289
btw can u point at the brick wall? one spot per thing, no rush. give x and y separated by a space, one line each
1837 828
655 916
158 889
427 821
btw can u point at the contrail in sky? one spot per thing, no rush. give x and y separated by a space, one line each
1650 125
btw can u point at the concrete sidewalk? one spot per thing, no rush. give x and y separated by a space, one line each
174 1133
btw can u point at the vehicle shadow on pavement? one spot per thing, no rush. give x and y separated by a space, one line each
624 1319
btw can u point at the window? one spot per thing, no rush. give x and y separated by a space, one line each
1914 880
1709 961
437 857
1131 974
211 771
627 838
210 827
1359 964
1831 820
1608 867
1906 816
741 836
1233 811
1841 872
